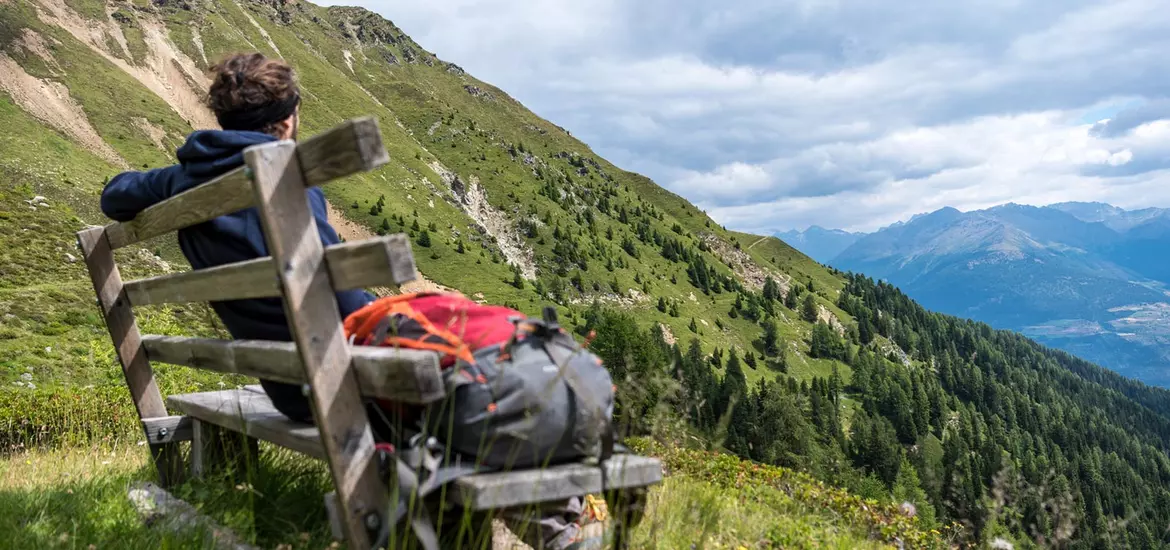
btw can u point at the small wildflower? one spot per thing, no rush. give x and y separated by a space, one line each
141 443
105 462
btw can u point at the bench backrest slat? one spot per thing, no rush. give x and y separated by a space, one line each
351 147
315 322
405 375
384 261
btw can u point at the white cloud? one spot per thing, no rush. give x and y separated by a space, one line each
845 113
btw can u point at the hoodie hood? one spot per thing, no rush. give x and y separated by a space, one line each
209 153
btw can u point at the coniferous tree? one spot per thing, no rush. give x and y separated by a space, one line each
826 344
771 338
771 289
864 331
808 309
424 239
790 298
875 447
908 488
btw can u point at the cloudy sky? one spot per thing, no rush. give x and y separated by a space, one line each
774 115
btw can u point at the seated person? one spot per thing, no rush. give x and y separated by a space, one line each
256 100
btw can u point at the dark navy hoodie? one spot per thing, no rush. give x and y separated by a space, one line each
227 239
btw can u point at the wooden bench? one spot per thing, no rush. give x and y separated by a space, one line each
334 374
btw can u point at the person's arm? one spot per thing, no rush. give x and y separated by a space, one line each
348 301
129 193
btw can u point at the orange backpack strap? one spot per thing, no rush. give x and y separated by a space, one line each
367 326
364 321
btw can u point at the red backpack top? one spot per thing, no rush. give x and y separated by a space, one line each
448 323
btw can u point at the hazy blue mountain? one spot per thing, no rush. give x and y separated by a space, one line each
1085 277
819 243
1117 219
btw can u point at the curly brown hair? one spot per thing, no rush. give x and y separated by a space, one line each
251 83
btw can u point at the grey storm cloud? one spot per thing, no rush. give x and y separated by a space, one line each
1128 119
773 115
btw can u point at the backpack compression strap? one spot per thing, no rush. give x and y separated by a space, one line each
561 353
419 470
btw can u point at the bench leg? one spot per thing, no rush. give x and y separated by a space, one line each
168 459
215 449
627 507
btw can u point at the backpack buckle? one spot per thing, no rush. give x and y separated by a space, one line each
549 315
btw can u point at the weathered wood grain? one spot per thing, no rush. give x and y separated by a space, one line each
349 148
251 414
315 323
405 375
167 429
518 488
123 329
381 261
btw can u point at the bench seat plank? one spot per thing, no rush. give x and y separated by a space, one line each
248 410
250 413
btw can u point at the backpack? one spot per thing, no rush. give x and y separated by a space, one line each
521 392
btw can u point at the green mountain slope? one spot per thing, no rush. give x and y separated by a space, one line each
496 189
760 350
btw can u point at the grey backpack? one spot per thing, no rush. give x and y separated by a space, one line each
537 399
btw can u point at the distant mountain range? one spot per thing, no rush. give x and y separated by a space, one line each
1089 278
819 243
